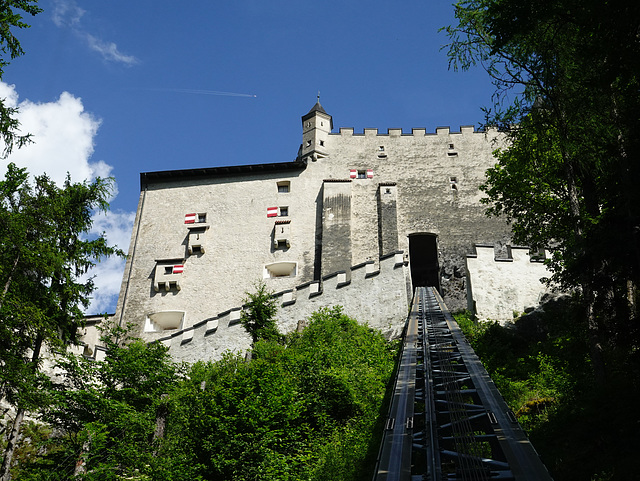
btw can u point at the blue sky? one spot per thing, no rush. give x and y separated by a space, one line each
118 88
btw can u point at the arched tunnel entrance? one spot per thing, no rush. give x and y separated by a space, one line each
423 259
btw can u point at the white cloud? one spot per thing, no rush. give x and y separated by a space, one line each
109 50
108 273
63 135
67 14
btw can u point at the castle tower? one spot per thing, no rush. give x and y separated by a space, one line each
316 127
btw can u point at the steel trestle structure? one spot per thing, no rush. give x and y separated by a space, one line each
447 420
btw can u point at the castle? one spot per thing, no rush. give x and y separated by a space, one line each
357 219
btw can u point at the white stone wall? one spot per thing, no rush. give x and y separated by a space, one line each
239 239
502 287
373 296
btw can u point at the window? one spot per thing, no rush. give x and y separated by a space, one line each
164 321
362 174
195 218
322 143
167 274
451 146
381 148
284 211
284 187
308 143
280 269
453 181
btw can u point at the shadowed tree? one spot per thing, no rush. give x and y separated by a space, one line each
567 83
45 252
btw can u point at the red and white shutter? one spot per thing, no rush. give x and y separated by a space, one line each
369 173
178 269
272 212
190 218
353 173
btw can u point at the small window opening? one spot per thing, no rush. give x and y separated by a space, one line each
322 143
381 148
308 124
362 174
284 187
387 190
284 211
280 269
454 183
451 146
202 218
196 249
168 270
282 244
308 143
321 124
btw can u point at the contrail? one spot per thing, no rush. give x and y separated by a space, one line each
202 92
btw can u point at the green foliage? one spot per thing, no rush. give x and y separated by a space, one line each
302 409
290 412
568 178
10 19
43 229
258 314
43 232
105 412
541 367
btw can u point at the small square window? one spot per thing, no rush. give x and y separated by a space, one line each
308 143
381 148
168 270
284 187
202 218
451 146
322 143
284 211
362 174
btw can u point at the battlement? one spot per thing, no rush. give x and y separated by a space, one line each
374 292
500 281
415 132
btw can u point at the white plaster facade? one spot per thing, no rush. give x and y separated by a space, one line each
502 288
348 199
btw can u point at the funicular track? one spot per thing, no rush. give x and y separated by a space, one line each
447 420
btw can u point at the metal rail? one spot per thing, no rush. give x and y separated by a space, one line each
447 420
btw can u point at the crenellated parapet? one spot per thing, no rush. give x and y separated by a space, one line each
415 132
503 281
374 292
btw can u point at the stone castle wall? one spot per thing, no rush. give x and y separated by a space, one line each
502 287
348 199
373 295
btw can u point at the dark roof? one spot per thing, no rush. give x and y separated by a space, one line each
232 170
316 109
